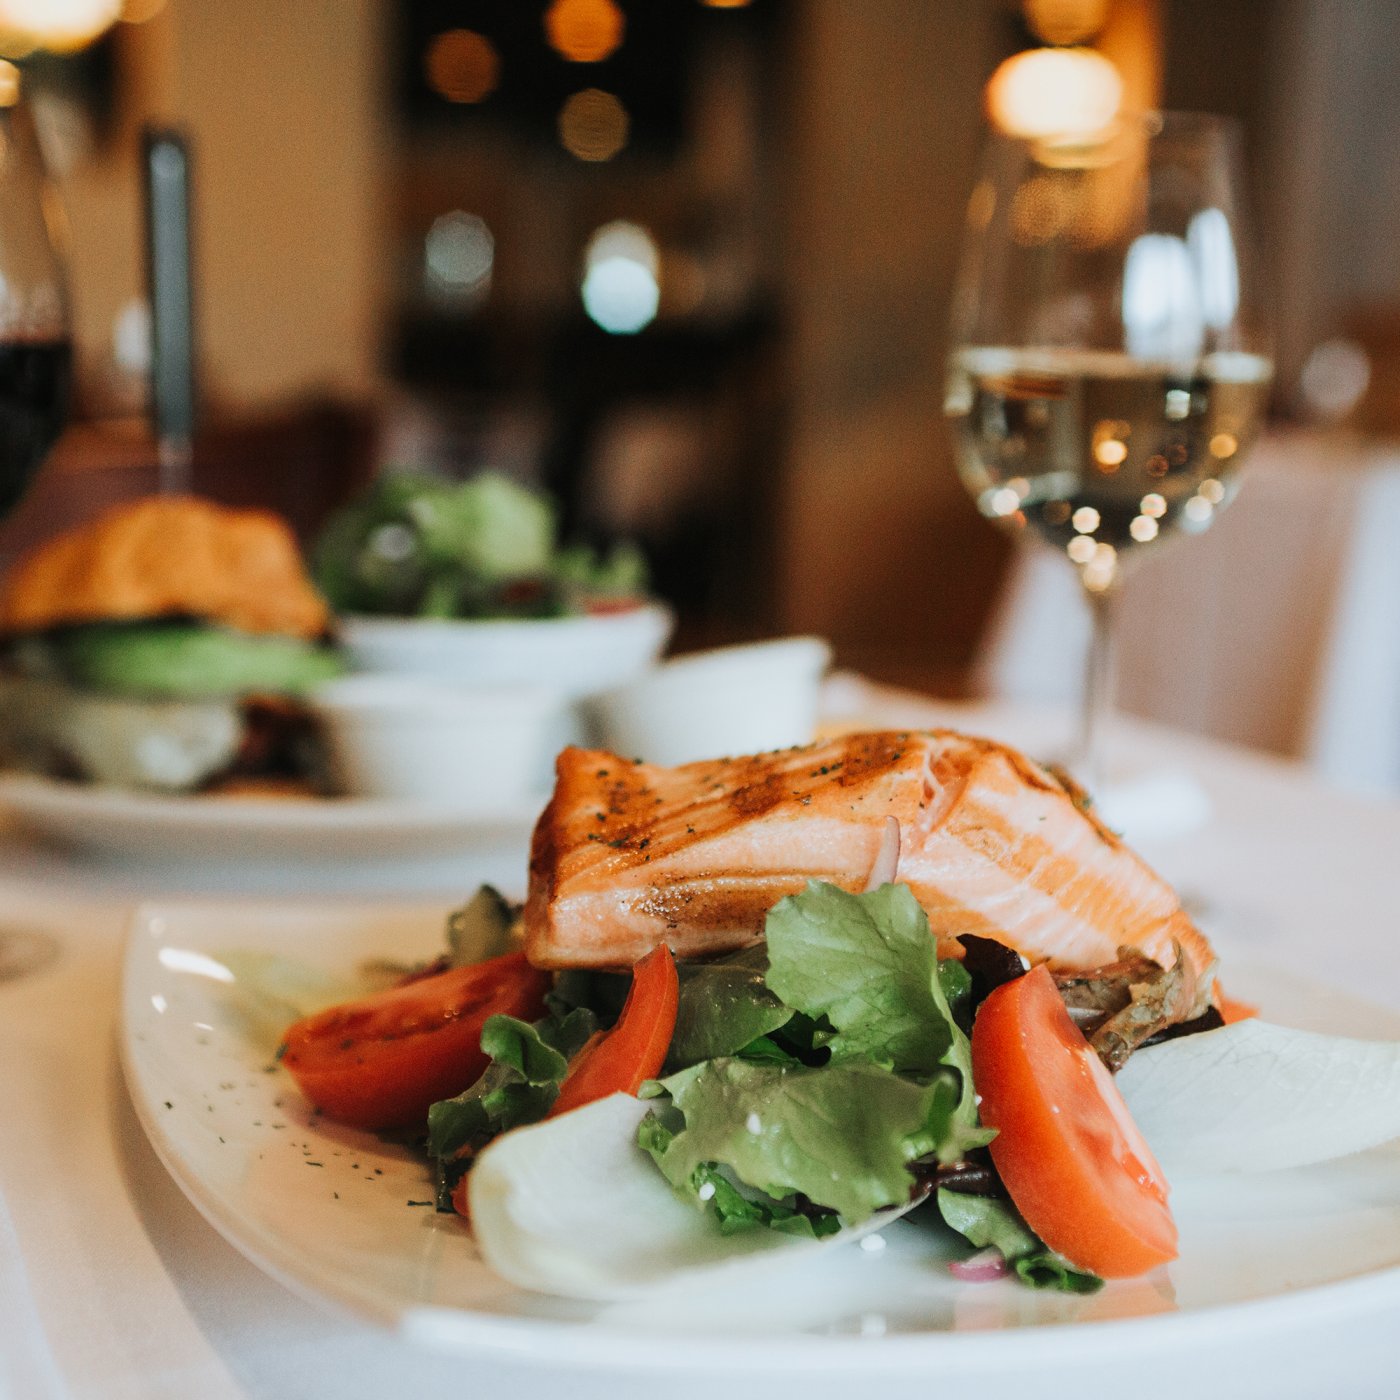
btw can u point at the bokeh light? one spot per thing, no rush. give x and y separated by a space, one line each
9 83
1099 573
621 281
1212 246
584 31
462 66
1110 453
1335 378
1055 92
1161 307
458 255
62 26
593 125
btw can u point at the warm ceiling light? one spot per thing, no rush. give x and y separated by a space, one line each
584 31
462 66
593 125
1066 21
62 26
725 4
1055 92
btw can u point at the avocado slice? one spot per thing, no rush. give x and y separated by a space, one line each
190 661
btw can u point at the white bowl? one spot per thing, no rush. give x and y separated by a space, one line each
574 656
474 749
733 700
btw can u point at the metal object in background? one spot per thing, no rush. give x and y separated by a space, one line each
166 166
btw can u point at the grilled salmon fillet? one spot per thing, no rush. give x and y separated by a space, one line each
628 855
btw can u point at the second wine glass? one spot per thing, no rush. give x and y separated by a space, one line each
1110 362
35 364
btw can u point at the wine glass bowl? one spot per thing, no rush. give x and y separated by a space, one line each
1110 363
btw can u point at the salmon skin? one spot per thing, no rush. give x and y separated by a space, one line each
629 855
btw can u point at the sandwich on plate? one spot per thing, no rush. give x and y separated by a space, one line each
166 645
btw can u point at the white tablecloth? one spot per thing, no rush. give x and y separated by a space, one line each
113 1288
1278 628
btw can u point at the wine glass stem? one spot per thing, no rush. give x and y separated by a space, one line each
1098 686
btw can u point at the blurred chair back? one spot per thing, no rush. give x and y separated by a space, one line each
1278 629
302 462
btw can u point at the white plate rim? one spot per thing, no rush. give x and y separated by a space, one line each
32 797
546 1342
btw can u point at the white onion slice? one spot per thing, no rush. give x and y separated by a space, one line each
1254 1097
983 1267
573 1206
882 872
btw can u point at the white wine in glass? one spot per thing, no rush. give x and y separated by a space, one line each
1110 366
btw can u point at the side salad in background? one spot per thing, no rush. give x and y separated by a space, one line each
416 545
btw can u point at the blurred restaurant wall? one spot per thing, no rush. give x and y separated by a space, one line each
367 234
284 103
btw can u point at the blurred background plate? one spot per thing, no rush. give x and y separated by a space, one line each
154 828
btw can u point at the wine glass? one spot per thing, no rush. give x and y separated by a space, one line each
35 361
1110 363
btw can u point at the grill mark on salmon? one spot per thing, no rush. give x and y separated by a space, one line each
628 855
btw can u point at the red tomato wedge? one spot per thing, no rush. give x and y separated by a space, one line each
379 1062
1066 1148
633 1051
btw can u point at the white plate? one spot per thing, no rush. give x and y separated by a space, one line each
333 1213
148 826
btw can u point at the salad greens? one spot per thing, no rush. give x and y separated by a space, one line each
484 927
841 1136
858 1068
991 1222
418 546
725 1006
813 1081
528 1064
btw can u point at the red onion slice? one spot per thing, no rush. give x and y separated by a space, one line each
886 858
984 1266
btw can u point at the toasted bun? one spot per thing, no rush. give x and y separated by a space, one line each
166 556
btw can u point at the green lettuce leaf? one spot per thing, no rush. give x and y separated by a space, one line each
724 1007
482 928
988 1221
528 1063
841 1136
868 965
735 1206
